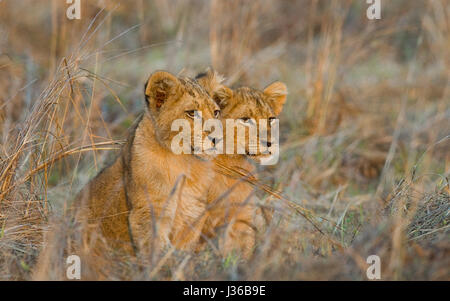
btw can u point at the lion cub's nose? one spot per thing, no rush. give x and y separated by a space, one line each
213 140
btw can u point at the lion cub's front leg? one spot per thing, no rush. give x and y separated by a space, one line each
177 222
141 230
150 226
240 234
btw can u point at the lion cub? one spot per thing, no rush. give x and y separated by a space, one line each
151 197
229 197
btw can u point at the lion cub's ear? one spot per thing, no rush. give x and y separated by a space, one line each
210 81
159 87
276 93
223 96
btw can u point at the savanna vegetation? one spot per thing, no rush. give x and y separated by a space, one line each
365 132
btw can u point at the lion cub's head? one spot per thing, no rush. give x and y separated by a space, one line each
252 108
170 98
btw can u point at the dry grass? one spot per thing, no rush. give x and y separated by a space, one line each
365 155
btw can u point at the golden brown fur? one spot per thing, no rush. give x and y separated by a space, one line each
229 197
150 197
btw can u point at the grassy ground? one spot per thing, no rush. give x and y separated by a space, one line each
365 156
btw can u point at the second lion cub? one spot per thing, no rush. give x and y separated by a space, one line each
229 197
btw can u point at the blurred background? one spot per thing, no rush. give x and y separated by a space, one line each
364 133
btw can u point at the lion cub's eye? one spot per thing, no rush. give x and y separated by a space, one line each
216 113
246 121
190 113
